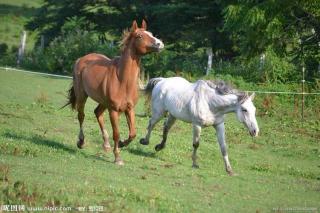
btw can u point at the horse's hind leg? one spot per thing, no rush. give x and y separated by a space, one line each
81 115
152 122
167 126
99 114
196 139
157 114
79 98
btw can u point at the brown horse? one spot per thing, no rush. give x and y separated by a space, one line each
113 84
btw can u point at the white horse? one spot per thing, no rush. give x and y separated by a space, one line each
202 103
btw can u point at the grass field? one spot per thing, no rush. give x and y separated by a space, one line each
13 15
41 166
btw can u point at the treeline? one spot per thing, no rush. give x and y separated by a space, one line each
259 40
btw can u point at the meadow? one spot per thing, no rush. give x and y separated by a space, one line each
40 164
13 15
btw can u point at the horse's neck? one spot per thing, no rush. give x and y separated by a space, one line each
225 103
128 71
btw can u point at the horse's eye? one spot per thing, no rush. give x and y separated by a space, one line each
244 110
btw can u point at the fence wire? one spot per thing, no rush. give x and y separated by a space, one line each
255 91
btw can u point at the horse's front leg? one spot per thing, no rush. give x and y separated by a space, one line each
132 129
196 140
221 139
114 118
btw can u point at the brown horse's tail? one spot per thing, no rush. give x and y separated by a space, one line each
71 99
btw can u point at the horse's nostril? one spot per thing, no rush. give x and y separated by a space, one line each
158 45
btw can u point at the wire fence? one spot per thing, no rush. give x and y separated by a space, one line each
37 73
70 77
299 104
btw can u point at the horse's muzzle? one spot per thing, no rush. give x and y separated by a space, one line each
254 132
157 47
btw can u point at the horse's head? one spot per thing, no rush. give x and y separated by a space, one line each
246 113
143 41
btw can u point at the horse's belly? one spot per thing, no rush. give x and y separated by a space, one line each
123 106
181 116
204 119
177 109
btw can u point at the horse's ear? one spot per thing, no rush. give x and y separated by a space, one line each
144 24
252 96
243 97
134 26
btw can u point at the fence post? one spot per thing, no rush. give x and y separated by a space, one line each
42 43
22 47
210 54
302 102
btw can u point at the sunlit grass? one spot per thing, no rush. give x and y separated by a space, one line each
13 16
40 164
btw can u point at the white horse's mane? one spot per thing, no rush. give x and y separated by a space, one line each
223 88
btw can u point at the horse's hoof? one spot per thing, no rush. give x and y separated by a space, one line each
144 141
195 166
106 148
231 173
80 143
158 147
119 162
122 144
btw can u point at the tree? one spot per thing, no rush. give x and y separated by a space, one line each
187 24
291 28
97 15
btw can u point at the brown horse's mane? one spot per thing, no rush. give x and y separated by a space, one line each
125 39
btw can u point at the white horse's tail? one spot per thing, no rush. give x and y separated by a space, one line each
148 92
151 84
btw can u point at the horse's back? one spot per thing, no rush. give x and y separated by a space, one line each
173 89
90 75
184 100
89 60
173 84
172 95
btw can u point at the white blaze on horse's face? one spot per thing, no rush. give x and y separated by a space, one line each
156 42
146 42
246 113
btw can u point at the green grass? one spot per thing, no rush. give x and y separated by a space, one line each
41 166
13 15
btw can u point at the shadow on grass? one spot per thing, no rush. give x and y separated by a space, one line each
12 115
140 152
39 140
